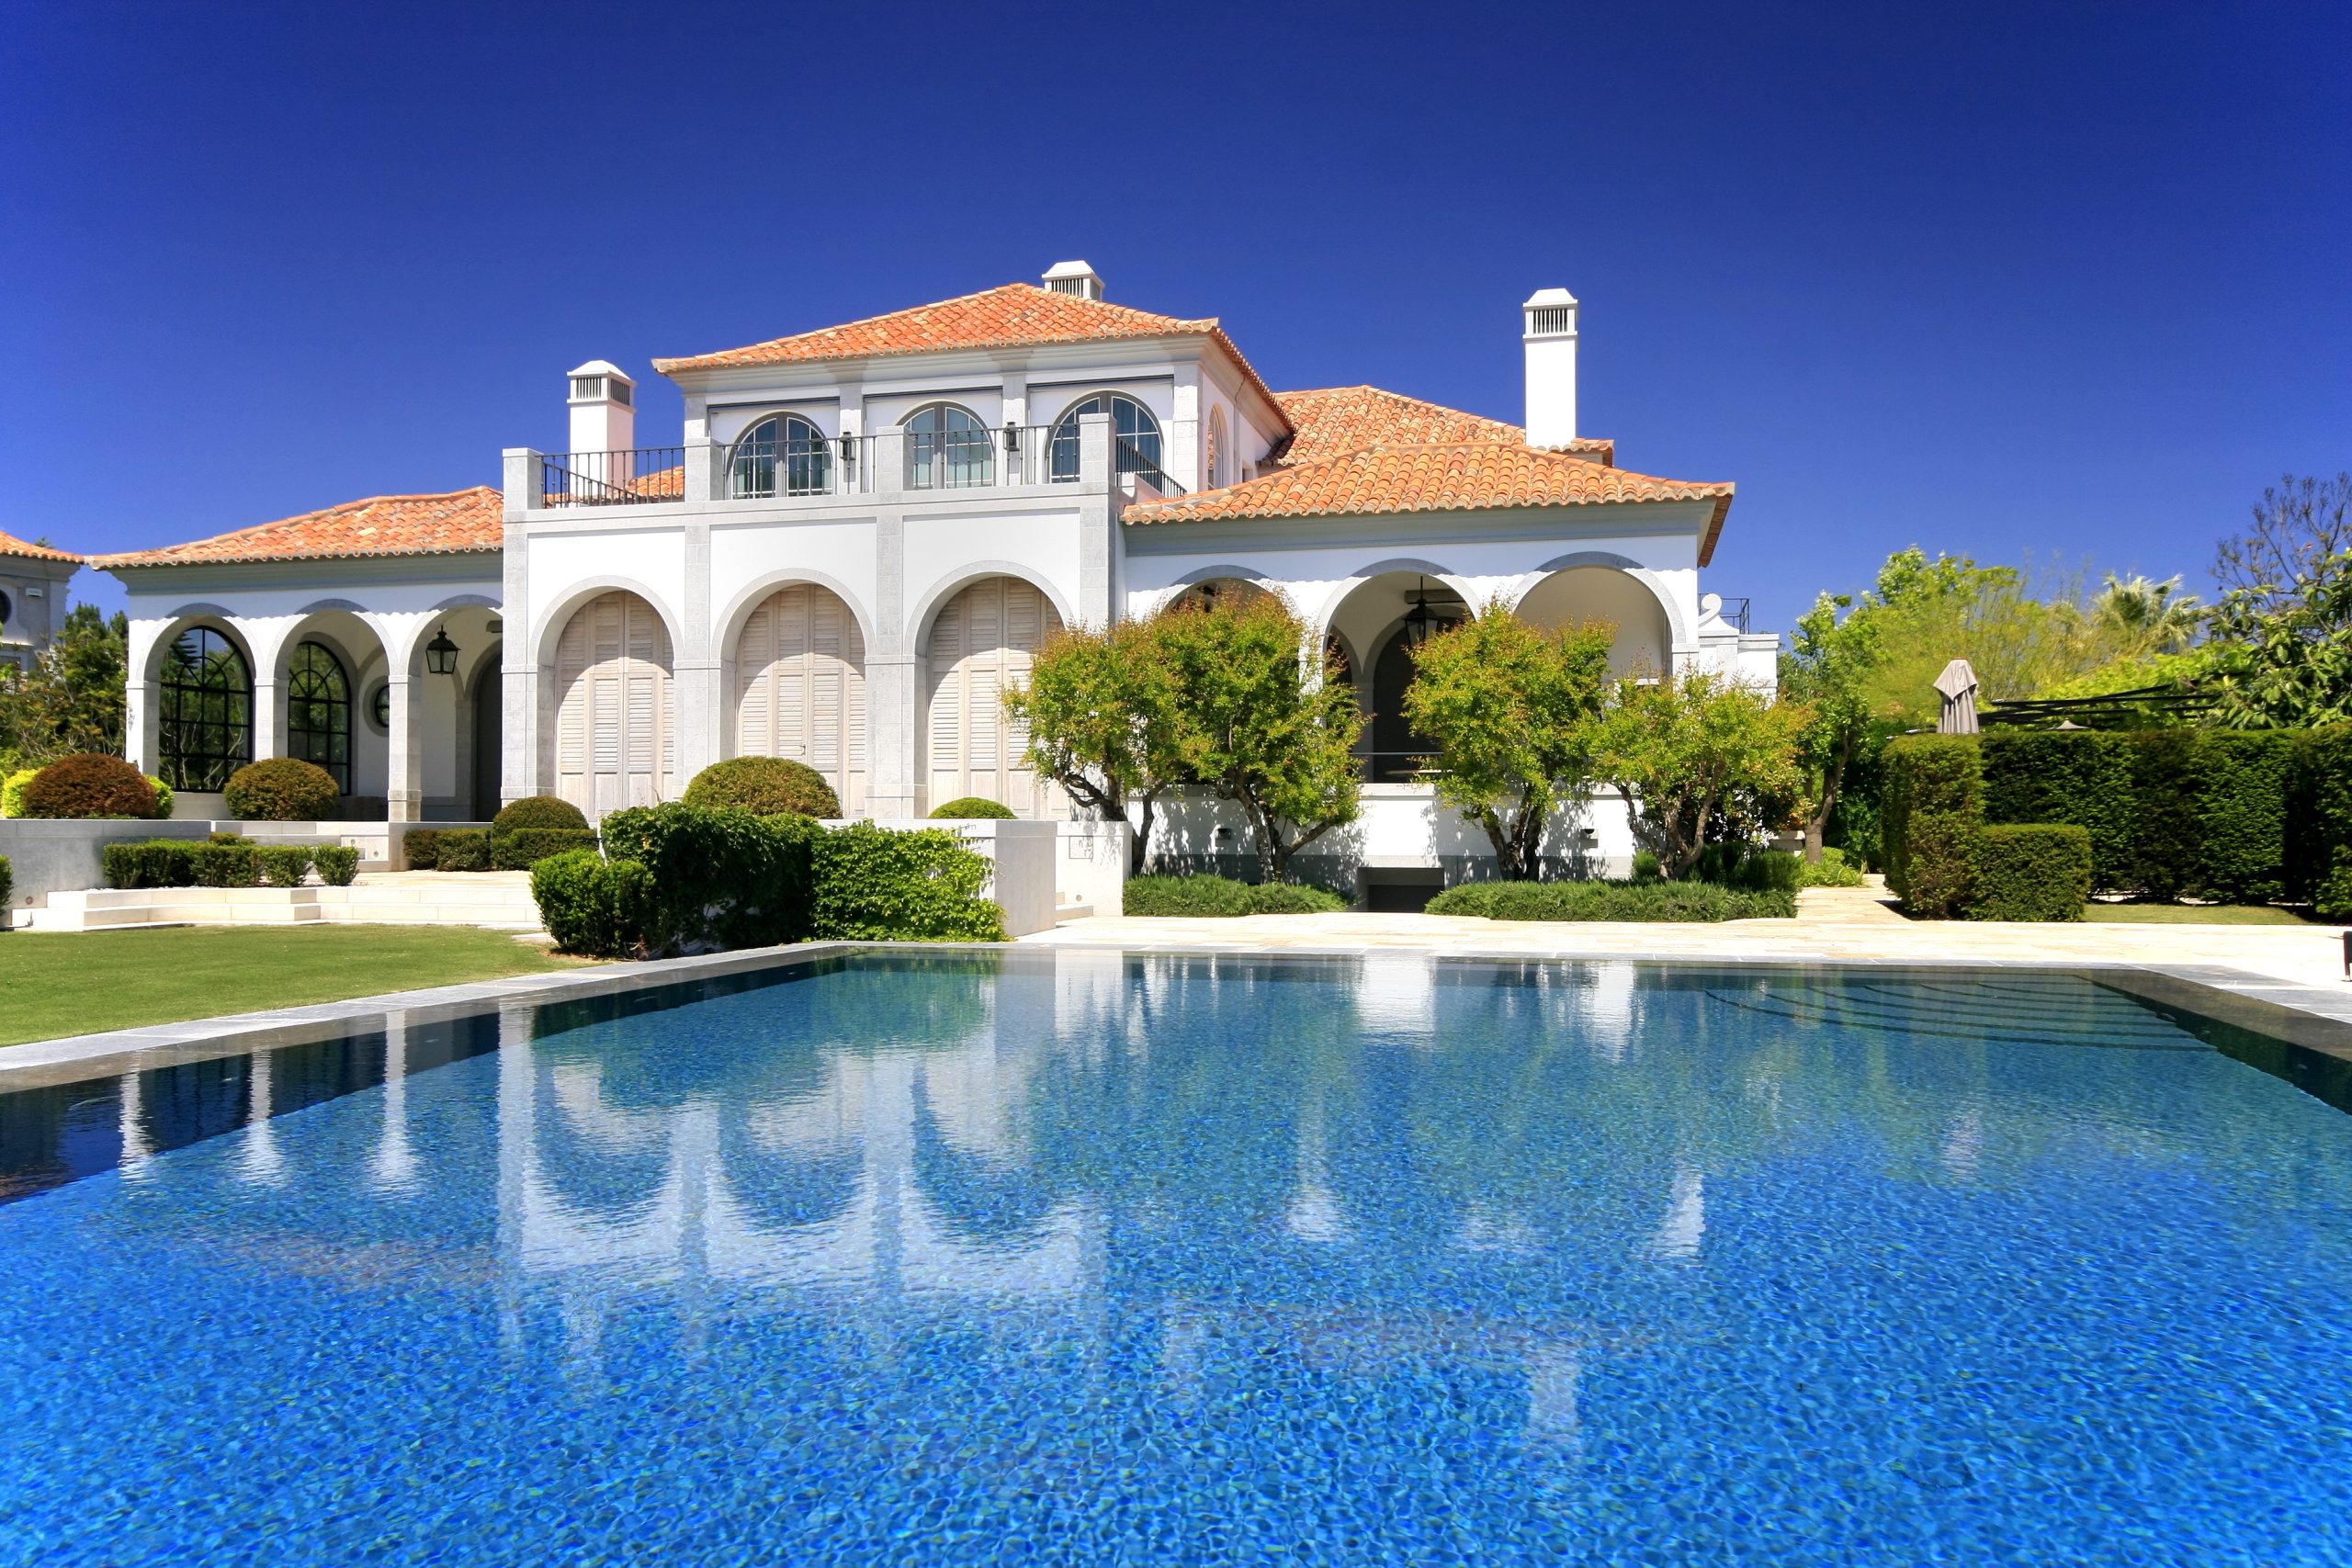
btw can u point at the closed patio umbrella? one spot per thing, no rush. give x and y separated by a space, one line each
1957 686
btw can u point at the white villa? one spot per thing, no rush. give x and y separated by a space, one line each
856 542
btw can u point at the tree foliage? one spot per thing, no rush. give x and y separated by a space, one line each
1695 752
1100 708
70 700
2279 655
2298 525
1512 710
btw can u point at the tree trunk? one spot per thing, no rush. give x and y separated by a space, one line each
1833 773
1140 840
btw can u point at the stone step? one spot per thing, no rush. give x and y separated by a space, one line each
498 900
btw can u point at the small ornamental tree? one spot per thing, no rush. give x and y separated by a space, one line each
1693 751
1511 710
1100 708
1257 722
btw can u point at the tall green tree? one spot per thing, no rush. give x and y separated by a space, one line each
1693 751
1512 712
1260 723
1100 707
70 698
2279 656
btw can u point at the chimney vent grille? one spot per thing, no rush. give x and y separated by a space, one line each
1551 320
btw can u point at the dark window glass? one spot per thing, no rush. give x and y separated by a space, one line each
204 730
1135 437
949 448
785 450
318 712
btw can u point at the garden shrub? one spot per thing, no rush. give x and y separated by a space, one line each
12 791
462 849
875 885
1219 897
7 887
1612 901
720 878
2033 871
336 863
2083 776
164 796
280 789
284 865
537 811
2241 829
2168 787
158 862
1748 867
765 786
972 808
226 839
1832 870
1931 810
592 905
524 848
226 865
89 784
2332 899
1647 867
420 849
2320 814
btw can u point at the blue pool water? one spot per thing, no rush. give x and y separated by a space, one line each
1089 1259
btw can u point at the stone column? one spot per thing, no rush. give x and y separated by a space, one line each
892 681
518 729
694 670
404 772
1098 511
269 718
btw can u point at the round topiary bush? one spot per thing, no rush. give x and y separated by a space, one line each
971 806
90 783
766 786
12 791
280 789
536 811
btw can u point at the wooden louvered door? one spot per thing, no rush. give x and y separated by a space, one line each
800 687
982 644
615 744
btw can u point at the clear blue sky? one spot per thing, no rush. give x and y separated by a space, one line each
2067 279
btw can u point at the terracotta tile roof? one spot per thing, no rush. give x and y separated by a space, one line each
12 545
1017 315
1450 476
1333 421
461 521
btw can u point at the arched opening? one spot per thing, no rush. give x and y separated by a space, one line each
1214 458
1387 616
1215 590
1582 594
204 721
783 455
948 448
800 687
490 733
981 643
614 746
1134 436
318 712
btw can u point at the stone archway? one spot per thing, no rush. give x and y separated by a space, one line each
799 687
1576 594
616 742
981 644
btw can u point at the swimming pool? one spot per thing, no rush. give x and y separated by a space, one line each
1087 1258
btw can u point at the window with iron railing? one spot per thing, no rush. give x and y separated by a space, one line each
949 448
783 456
1133 429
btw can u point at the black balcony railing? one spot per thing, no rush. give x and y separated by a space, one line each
1735 613
634 477
801 465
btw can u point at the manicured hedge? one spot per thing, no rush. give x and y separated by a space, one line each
1745 866
284 865
591 905
1932 810
2319 853
765 786
335 864
89 784
973 807
2083 776
537 811
158 862
236 865
1612 901
873 885
7 887
2033 871
1213 896
280 789
461 849
420 849
12 791
720 878
2244 780
520 849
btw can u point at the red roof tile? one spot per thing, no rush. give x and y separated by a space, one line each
1333 421
1017 315
1459 476
460 522
12 545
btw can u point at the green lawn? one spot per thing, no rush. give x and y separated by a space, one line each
2192 915
55 984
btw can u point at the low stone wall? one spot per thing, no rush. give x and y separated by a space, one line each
1090 864
51 855
1021 857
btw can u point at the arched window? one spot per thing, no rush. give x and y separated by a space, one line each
204 728
1214 464
785 451
318 712
1135 437
948 448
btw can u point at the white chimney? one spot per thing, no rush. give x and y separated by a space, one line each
604 412
1551 317
1075 278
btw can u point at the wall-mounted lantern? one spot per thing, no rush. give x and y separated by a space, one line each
441 654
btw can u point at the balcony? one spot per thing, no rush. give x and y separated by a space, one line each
974 459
